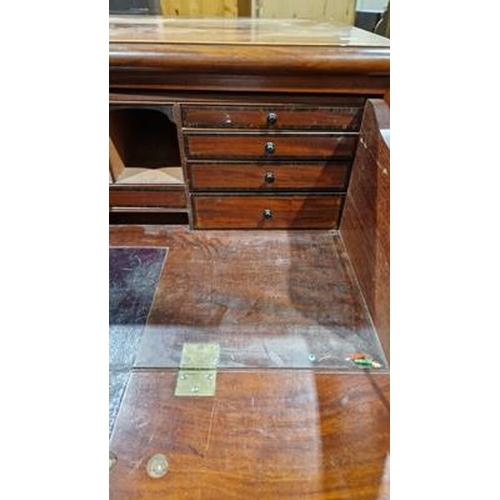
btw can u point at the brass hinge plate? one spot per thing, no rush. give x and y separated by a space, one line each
198 370
196 383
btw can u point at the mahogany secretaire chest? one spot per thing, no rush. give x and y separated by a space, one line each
248 364
238 123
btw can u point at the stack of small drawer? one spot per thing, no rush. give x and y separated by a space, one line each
259 166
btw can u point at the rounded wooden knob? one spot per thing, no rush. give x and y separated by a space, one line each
267 214
269 177
272 118
270 148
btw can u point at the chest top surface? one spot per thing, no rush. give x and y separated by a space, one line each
228 54
242 31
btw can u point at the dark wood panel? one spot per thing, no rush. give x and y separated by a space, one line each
137 78
134 197
365 223
275 117
155 218
144 137
235 98
276 434
269 176
255 146
249 212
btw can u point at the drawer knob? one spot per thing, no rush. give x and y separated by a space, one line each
272 118
269 177
270 148
267 214
157 466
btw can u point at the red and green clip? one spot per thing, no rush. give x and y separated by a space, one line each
361 359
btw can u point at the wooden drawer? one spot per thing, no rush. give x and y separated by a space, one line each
267 212
267 146
269 176
347 118
173 198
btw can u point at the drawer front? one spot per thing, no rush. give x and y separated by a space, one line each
273 117
269 146
269 176
147 198
267 212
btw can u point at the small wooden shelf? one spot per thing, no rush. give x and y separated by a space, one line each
142 175
143 147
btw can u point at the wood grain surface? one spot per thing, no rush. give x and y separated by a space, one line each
276 434
247 212
137 197
254 146
236 99
252 59
365 226
269 176
269 298
156 29
342 11
253 55
199 8
128 74
285 117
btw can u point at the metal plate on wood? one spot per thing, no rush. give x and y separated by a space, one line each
196 383
198 369
199 356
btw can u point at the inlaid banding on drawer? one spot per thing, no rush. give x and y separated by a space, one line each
269 176
273 117
267 146
267 212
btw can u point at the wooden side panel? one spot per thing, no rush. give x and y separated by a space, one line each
365 222
339 10
199 8
116 165
282 434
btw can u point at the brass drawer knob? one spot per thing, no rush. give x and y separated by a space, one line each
272 118
267 214
270 148
157 466
269 177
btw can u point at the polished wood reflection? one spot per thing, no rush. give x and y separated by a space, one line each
276 434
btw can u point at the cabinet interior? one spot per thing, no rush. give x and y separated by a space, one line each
144 148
